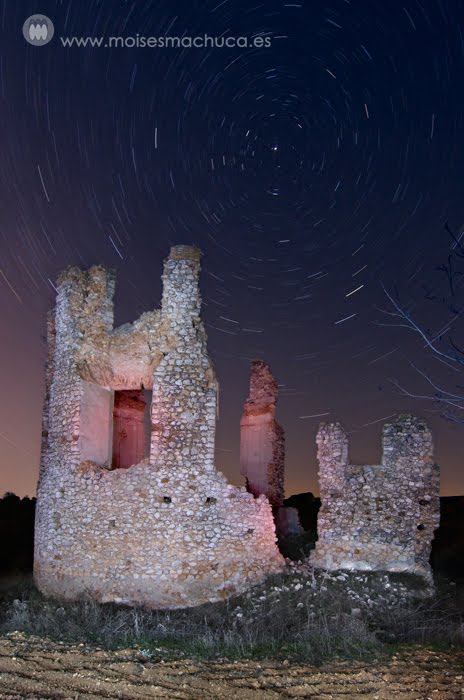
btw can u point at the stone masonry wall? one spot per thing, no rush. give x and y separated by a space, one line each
170 531
378 517
262 442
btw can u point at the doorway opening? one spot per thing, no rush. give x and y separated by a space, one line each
131 427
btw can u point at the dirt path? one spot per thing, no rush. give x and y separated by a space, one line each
38 668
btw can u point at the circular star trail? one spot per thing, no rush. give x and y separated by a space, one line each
314 161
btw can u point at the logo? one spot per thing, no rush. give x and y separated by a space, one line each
38 30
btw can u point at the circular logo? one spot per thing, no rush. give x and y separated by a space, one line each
38 30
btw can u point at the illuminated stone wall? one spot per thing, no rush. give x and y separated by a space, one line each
169 531
262 448
378 517
262 442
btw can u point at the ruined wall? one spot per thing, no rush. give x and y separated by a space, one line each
262 443
378 516
169 531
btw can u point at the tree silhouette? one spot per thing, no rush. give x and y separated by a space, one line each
444 343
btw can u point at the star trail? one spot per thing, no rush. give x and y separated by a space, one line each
314 162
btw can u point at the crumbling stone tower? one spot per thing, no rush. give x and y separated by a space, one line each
130 507
262 448
262 442
378 517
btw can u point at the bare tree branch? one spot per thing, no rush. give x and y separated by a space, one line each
440 345
431 344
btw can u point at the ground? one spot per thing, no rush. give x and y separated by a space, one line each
37 668
299 634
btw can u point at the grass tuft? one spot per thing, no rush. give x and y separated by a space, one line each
300 615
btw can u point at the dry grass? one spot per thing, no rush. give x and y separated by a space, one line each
300 615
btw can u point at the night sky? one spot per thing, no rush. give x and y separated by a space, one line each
310 172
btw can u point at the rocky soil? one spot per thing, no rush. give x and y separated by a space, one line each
33 668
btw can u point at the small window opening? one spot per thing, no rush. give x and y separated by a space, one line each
421 527
131 427
167 499
211 500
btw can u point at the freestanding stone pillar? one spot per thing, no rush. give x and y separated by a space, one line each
262 442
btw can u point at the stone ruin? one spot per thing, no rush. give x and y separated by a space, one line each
378 517
262 447
130 506
262 442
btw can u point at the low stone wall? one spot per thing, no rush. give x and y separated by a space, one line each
378 517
